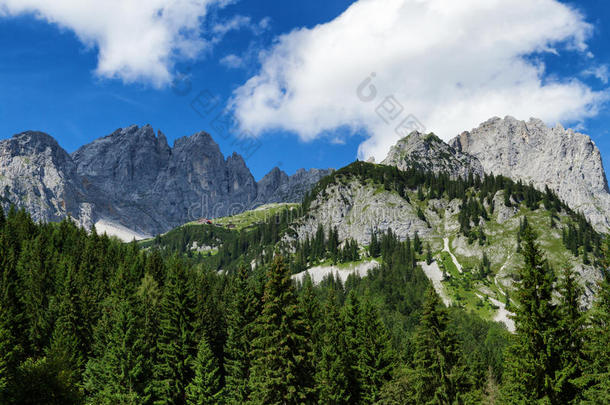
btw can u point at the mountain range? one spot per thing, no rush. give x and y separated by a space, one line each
131 183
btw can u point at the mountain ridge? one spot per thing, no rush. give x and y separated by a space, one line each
133 180
566 161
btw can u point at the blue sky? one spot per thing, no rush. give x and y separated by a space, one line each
49 82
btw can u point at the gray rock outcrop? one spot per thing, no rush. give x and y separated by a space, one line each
430 153
567 162
134 180
277 186
38 175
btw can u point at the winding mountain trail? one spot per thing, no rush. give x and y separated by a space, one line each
453 258
498 286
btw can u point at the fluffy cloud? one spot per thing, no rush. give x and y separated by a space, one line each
599 72
451 64
232 61
137 40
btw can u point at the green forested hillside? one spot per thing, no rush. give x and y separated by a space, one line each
87 319
473 227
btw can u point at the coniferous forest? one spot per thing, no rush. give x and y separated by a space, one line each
88 320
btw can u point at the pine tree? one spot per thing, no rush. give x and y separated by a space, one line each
438 373
242 313
66 347
595 381
10 352
352 315
531 361
117 373
428 254
205 388
333 367
417 245
376 357
280 372
176 346
310 306
374 247
570 337
37 289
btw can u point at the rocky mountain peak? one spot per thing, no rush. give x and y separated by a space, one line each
33 142
566 161
37 174
277 186
429 152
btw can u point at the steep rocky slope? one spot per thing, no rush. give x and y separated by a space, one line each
357 205
38 175
277 186
471 225
428 152
131 183
567 162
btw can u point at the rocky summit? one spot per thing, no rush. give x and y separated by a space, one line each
38 175
131 183
430 153
566 161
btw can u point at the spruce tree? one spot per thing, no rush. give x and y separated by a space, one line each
595 381
176 346
205 389
428 254
310 306
10 352
374 248
438 369
352 315
280 372
66 346
417 245
37 289
532 360
242 313
376 358
333 367
569 338
117 373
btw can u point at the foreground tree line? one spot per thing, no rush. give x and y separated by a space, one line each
87 320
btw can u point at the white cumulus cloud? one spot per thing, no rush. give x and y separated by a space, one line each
450 64
136 40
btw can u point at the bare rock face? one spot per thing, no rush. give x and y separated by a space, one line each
567 162
133 181
38 175
357 210
430 153
277 186
124 164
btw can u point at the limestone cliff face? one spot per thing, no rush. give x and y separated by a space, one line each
38 175
357 210
134 180
430 153
567 162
